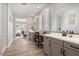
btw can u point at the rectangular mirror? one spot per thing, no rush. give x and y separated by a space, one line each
64 17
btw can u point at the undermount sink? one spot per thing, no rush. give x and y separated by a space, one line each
72 35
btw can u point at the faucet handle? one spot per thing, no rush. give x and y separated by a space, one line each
72 32
66 31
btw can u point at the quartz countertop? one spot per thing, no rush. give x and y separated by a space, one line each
31 31
74 39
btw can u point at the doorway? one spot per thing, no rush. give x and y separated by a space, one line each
21 28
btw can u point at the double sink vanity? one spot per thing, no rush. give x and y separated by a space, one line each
57 45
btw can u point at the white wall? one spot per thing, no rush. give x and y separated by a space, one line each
40 22
29 25
53 23
10 26
4 27
35 22
43 20
14 27
0 28
46 19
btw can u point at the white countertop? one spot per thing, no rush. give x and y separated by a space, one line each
31 31
73 39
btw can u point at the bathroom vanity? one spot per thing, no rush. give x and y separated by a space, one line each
57 45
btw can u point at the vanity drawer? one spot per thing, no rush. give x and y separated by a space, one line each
72 46
57 41
46 38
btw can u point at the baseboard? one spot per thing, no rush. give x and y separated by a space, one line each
3 51
10 43
6 47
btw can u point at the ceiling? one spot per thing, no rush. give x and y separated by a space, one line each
22 10
61 8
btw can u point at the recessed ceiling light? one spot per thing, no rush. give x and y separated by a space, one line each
23 3
38 7
47 9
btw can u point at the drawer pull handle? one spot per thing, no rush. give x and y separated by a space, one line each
49 43
61 51
74 47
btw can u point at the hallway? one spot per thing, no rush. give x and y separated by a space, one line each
22 47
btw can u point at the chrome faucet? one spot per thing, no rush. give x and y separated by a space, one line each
63 33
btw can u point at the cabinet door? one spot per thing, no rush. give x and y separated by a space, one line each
69 52
56 50
47 46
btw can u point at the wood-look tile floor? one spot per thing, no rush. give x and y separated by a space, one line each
23 47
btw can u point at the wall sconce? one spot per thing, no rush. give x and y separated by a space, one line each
10 19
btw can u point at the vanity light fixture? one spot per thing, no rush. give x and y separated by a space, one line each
47 9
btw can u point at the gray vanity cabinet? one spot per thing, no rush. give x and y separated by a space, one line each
56 50
47 45
56 47
71 49
53 47
69 52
